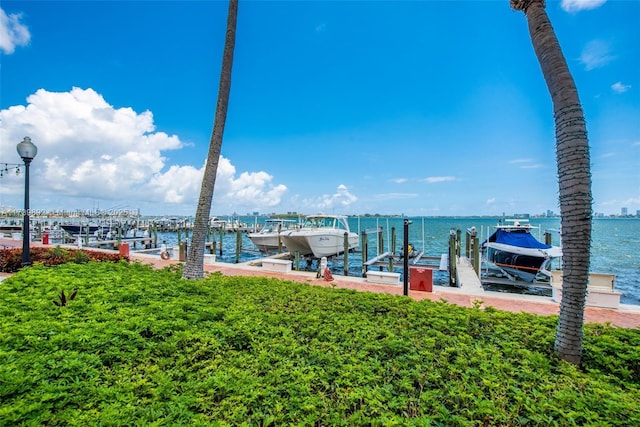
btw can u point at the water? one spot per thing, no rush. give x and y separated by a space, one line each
615 244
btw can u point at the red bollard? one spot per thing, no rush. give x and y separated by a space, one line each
124 249
45 238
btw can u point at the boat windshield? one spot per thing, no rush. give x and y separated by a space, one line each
275 225
325 222
319 222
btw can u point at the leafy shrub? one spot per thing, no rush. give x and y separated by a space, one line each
144 347
63 300
11 259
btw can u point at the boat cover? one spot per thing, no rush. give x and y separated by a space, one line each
519 239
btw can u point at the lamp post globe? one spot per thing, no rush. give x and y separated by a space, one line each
27 151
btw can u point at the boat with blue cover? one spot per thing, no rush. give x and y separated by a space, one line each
518 254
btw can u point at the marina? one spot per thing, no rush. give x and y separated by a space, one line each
615 245
469 293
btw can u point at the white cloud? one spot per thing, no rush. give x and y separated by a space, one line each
515 161
399 180
12 32
341 198
490 201
596 54
250 189
90 149
578 5
526 164
618 87
631 201
436 179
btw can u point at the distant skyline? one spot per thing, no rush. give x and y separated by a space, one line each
429 108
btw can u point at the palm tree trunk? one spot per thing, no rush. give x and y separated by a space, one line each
194 267
574 178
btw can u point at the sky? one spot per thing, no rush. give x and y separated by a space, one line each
421 108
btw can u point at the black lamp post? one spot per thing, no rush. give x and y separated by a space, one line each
405 258
27 150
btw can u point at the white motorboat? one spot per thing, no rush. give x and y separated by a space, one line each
321 236
268 238
514 250
231 225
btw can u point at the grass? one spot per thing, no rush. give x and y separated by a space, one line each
137 346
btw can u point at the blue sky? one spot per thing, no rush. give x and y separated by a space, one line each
415 107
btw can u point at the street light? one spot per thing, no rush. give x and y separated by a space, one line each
27 150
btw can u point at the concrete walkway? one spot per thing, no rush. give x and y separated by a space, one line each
470 292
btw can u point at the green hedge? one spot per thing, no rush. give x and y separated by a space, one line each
11 259
143 347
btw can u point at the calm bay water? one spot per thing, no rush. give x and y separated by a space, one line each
615 244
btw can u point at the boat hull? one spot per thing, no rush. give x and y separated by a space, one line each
83 229
525 267
266 242
268 238
319 244
514 250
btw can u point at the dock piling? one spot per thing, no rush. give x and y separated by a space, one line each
472 251
452 258
346 254
365 253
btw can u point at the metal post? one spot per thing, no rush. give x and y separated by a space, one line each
26 254
452 258
405 257
27 151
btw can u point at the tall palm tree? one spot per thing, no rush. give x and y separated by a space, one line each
574 177
194 268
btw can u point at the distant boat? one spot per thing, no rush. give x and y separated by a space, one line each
228 225
93 230
104 232
268 238
516 252
321 236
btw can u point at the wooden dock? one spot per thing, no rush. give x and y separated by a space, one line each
466 277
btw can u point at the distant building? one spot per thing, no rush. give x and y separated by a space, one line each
624 212
549 213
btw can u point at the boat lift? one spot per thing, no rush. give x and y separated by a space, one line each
393 260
